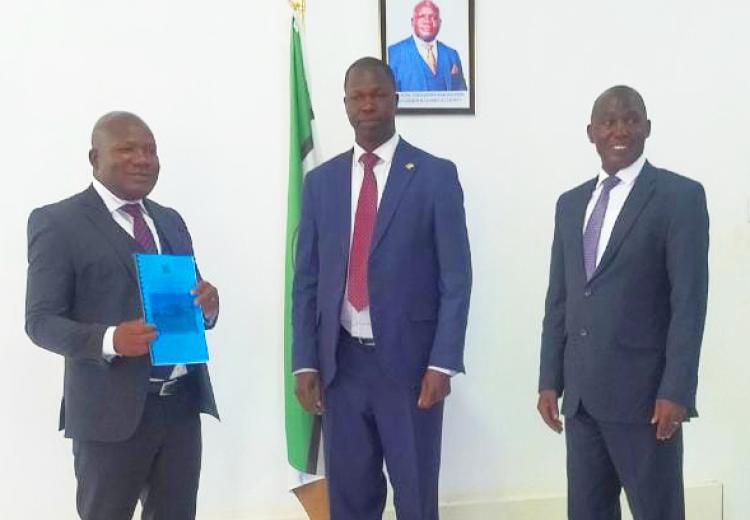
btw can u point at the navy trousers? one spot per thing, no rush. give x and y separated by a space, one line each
604 458
368 419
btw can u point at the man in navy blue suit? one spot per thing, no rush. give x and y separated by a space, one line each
381 297
624 321
422 63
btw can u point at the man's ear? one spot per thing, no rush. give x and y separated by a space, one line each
590 133
93 157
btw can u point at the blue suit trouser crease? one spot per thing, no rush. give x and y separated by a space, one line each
369 419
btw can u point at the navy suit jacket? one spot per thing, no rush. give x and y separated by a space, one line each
82 280
413 74
631 334
419 267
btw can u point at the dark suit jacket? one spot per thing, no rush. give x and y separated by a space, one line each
633 333
81 280
413 74
419 267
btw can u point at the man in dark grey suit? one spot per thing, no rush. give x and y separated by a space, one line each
135 428
624 321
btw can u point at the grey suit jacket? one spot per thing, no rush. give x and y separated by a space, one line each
633 332
81 280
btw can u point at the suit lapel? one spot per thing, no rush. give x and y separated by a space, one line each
341 193
403 168
94 209
634 204
167 232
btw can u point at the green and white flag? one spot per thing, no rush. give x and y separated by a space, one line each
303 430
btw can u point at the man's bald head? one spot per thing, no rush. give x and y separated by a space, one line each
123 155
114 122
427 3
622 93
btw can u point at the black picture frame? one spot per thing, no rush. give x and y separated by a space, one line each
422 89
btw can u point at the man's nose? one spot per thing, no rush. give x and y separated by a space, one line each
621 127
143 157
368 104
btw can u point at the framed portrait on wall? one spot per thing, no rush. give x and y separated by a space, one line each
429 46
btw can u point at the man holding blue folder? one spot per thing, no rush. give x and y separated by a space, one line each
135 427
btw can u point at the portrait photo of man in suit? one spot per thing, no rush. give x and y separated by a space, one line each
135 427
380 304
623 324
421 62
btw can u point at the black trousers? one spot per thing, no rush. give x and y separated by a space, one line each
160 465
604 458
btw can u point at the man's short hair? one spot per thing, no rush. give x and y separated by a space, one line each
620 91
368 62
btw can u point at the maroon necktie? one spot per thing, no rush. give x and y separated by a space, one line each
364 224
141 232
143 236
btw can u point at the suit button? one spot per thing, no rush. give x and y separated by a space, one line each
587 293
583 333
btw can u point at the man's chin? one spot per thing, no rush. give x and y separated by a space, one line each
139 192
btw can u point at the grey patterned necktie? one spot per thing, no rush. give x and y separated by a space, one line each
594 226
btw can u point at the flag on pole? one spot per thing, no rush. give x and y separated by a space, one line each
303 430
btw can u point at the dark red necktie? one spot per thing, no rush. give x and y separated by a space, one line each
141 231
143 236
364 225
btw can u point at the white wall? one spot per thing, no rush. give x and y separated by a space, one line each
211 80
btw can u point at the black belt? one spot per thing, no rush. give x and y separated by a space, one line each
170 386
365 342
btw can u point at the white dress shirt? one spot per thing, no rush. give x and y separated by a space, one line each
617 197
422 47
114 205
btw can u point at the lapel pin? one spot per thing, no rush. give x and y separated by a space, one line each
409 166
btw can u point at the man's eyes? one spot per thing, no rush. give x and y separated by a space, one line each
362 97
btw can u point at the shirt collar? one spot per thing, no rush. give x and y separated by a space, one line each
112 201
421 44
627 175
385 151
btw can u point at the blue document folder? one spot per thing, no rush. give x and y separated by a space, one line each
165 282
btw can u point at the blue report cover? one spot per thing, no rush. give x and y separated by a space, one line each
165 282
